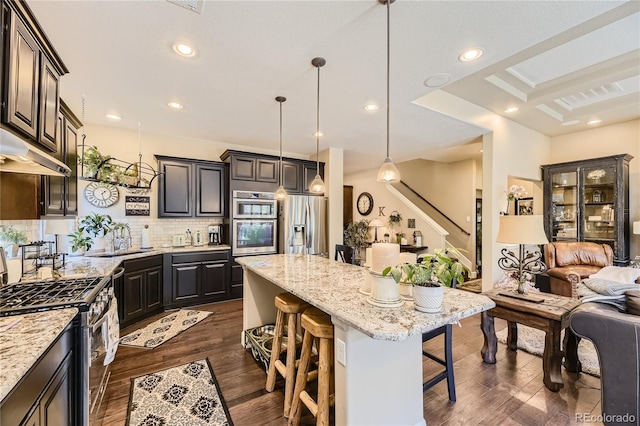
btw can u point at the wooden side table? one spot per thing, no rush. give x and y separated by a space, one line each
546 312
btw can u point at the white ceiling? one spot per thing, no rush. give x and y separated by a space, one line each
248 52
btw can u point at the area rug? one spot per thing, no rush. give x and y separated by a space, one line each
188 394
532 340
167 327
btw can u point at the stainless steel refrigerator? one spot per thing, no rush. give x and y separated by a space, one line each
303 225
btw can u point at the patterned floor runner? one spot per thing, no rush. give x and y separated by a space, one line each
188 394
158 332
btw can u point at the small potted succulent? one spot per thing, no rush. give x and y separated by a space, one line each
429 276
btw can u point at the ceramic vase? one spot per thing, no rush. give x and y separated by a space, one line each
428 299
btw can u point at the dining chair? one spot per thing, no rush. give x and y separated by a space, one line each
345 254
447 362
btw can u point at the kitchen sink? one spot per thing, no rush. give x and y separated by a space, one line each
116 253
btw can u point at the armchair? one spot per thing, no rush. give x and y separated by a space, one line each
570 262
616 337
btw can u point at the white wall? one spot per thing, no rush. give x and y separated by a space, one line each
622 138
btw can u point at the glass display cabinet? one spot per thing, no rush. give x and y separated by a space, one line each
589 201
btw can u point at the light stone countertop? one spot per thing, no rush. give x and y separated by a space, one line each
26 341
333 287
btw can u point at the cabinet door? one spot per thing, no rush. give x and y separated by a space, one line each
309 172
185 281
134 292
214 279
236 279
49 104
175 189
53 187
243 168
24 79
292 177
71 160
33 420
55 406
266 170
153 278
210 190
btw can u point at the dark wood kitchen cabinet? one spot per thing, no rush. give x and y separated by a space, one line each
191 188
236 279
195 278
46 395
139 293
31 97
60 194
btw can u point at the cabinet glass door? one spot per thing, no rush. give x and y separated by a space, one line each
563 206
599 204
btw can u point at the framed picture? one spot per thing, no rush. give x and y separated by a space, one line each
524 206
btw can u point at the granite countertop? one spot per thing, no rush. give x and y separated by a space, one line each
333 287
24 339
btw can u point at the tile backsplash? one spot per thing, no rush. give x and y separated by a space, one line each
161 231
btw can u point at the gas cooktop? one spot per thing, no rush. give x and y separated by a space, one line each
35 296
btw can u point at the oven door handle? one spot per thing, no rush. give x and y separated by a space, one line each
117 273
99 323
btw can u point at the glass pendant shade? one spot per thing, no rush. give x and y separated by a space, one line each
281 193
317 186
388 172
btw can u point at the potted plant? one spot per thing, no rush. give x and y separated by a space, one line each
13 236
429 277
98 166
79 242
356 236
96 226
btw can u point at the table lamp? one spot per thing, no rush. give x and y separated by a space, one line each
521 230
57 227
376 223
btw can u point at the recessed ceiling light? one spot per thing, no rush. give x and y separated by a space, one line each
594 122
437 80
113 117
183 49
570 122
319 134
175 105
471 54
511 109
371 107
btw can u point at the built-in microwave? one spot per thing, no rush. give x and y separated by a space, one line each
254 236
254 205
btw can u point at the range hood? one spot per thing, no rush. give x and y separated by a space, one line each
18 156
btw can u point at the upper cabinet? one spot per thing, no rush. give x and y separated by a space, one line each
257 172
191 188
31 86
589 201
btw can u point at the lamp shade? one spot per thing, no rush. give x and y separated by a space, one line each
57 227
636 227
376 223
526 229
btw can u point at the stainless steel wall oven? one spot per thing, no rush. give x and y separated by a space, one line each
254 223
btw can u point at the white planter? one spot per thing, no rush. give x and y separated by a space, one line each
384 292
428 299
99 244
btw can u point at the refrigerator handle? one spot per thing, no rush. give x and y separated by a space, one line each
306 221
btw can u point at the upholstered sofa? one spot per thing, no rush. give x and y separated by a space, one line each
616 337
570 262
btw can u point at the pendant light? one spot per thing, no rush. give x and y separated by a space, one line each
281 193
317 186
388 172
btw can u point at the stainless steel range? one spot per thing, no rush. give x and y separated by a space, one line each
93 298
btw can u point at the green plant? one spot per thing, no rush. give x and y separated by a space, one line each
96 225
98 166
395 219
357 234
80 241
12 235
434 270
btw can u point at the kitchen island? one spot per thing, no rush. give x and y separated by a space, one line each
379 380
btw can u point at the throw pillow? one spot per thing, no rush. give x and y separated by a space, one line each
618 274
633 302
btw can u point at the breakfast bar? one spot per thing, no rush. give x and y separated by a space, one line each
378 355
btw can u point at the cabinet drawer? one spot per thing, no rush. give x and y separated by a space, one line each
221 255
143 263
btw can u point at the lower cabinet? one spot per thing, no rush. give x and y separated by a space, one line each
196 278
140 291
45 395
236 279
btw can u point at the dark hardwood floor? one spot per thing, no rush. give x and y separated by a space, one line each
509 392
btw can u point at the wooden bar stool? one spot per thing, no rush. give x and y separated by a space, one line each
316 325
292 306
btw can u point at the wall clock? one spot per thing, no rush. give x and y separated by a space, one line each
365 203
101 194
